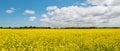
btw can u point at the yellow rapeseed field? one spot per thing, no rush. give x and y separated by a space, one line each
59 39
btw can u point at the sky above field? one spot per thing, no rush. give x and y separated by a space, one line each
60 13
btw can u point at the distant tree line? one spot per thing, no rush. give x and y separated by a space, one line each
34 27
25 27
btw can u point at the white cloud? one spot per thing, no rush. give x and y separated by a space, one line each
44 18
102 2
32 18
29 12
116 2
11 10
82 16
50 8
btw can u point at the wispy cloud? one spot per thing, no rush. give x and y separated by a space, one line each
31 12
32 18
11 10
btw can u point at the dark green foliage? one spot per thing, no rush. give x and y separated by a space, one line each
34 27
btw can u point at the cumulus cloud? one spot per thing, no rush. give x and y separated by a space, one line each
31 12
11 10
52 8
32 18
102 2
82 16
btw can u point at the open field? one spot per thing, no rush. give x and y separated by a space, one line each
59 39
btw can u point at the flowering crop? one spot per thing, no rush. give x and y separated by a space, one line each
59 39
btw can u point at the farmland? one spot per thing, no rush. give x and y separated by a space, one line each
59 39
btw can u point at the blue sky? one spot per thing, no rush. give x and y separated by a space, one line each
59 13
39 6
